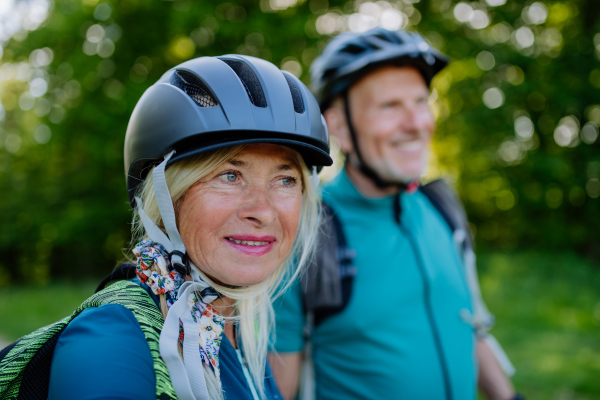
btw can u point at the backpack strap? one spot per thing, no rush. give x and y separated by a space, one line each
15 362
446 201
26 366
448 204
7 349
327 283
36 377
125 271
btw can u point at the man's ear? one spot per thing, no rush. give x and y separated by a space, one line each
336 123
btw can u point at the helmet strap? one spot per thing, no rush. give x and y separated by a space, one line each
363 167
314 178
172 242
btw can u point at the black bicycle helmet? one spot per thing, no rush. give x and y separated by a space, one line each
350 56
213 102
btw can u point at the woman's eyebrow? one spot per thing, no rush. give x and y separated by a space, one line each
284 167
281 167
237 163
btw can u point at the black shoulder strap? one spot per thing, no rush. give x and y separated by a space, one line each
446 201
327 284
36 377
125 271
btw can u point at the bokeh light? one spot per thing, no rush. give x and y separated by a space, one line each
493 98
589 132
42 134
535 14
495 3
292 65
102 11
523 37
524 128
485 60
566 133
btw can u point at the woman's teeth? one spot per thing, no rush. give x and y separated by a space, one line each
248 242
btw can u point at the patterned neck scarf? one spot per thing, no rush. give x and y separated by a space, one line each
210 322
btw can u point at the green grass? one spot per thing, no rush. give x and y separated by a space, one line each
24 309
547 309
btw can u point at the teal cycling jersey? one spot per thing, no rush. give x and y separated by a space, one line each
403 334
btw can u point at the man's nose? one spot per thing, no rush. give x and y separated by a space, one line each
416 120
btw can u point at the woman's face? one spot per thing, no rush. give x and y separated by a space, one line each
240 222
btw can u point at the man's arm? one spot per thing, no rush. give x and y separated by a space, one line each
494 384
286 369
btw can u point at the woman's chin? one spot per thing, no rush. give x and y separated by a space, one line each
242 281
240 274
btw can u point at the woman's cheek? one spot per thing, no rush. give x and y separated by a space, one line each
290 215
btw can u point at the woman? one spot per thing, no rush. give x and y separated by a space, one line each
221 156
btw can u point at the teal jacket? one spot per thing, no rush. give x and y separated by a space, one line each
404 334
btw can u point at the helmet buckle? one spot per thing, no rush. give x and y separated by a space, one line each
183 269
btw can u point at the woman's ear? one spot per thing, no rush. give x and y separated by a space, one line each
337 125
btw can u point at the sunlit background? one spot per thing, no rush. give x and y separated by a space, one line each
518 111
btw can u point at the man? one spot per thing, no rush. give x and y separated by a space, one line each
412 325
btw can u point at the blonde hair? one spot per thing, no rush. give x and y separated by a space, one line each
253 310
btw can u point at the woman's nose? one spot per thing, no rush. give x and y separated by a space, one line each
258 207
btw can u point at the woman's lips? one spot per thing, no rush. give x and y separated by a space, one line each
253 245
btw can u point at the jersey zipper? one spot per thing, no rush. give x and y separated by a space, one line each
426 299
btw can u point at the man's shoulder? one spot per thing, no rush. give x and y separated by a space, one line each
446 201
332 189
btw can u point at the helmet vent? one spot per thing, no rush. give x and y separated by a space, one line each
352 49
250 82
193 87
296 97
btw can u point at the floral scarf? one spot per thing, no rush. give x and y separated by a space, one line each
211 323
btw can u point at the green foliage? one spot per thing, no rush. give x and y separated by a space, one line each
547 310
64 210
23 309
520 186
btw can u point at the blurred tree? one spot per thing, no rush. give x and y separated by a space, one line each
518 110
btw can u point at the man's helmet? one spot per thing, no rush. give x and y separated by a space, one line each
213 102
350 56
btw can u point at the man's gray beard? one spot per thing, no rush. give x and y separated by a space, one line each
391 177
405 179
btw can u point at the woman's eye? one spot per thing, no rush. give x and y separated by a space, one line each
229 177
288 181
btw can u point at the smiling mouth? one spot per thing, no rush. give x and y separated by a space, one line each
248 242
408 145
